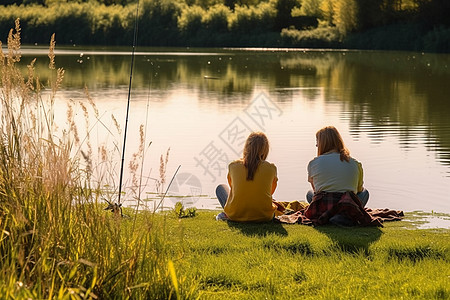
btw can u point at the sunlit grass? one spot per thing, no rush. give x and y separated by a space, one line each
56 239
274 261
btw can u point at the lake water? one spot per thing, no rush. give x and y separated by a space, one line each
392 109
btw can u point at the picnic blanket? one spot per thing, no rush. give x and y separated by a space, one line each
325 205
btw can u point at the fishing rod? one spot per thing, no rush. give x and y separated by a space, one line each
128 105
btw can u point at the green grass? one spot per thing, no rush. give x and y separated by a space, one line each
278 261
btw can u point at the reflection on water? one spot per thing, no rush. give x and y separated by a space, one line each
420 220
392 109
435 222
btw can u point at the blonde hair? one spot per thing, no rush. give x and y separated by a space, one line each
256 150
329 139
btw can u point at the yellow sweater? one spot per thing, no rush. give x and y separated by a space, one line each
251 201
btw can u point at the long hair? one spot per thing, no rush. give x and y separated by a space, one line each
256 150
329 139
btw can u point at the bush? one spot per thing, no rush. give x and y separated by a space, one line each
158 23
326 37
112 25
216 18
437 40
205 28
392 37
253 20
190 20
73 23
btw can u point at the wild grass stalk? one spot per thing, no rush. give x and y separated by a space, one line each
56 240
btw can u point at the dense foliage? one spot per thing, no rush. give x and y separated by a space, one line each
376 24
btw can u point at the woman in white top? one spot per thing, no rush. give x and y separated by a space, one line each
334 170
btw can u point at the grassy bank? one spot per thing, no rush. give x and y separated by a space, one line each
274 261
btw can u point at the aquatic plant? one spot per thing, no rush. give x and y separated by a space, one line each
181 212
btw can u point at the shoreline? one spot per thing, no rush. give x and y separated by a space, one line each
269 27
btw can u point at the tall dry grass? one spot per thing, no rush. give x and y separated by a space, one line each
56 239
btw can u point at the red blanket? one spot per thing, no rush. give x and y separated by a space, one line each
326 205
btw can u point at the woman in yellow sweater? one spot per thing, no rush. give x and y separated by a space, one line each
252 182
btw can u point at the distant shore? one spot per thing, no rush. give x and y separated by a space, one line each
176 24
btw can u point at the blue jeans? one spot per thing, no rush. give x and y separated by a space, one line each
222 192
363 196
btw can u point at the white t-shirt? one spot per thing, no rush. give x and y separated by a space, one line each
330 174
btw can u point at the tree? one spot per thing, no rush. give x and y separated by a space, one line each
309 8
434 12
158 25
345 15
284 9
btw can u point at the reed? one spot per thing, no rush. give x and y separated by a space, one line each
56 239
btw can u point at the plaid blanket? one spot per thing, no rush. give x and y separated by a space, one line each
326 205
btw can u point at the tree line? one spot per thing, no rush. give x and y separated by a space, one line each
374 24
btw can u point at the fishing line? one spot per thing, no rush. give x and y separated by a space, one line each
128 101
144 141
167 189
